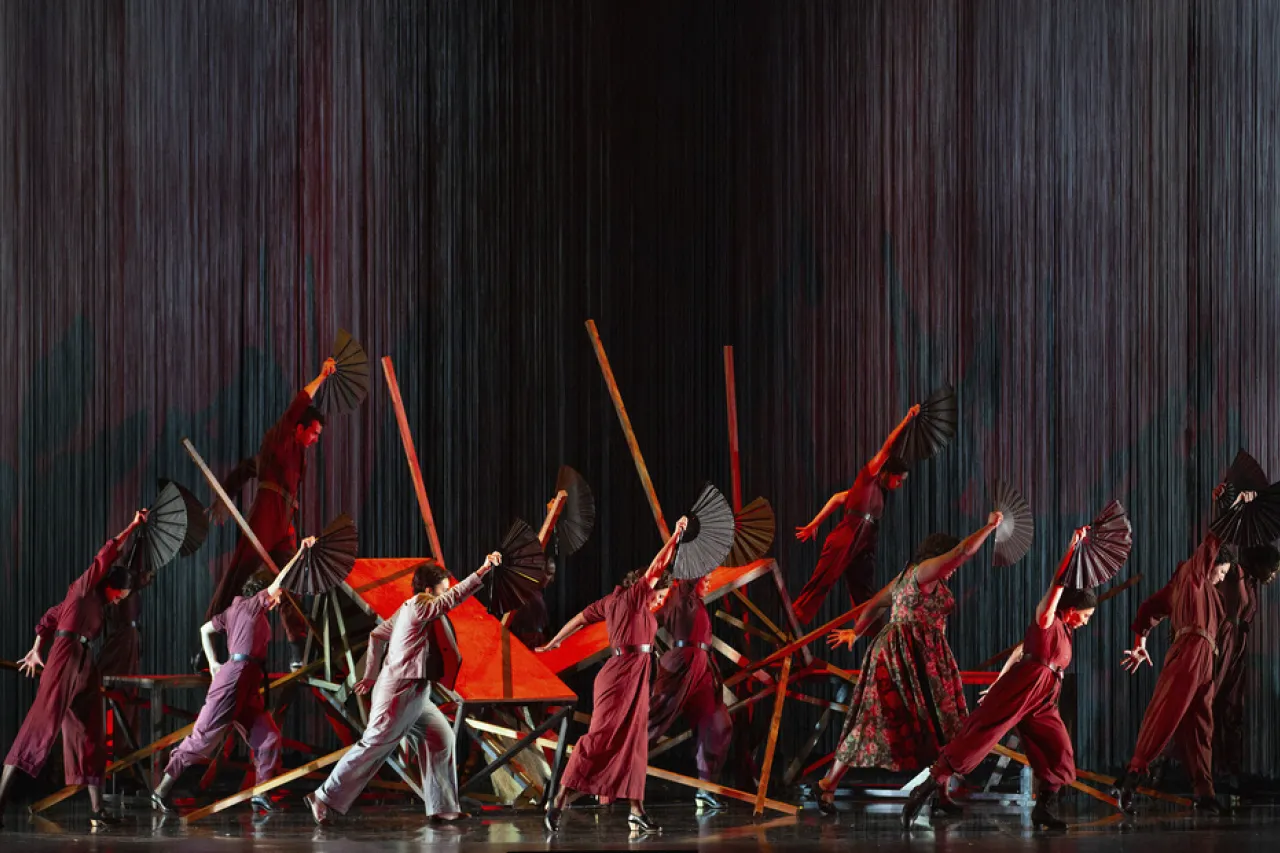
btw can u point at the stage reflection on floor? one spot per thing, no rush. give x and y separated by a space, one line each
983 827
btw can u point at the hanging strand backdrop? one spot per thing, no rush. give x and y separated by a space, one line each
1069 211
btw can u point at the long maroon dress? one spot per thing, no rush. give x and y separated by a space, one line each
1027 697
610 759
909 700
688 681
68 698
848 550
1239 595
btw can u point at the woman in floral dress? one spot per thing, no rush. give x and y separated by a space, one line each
909 700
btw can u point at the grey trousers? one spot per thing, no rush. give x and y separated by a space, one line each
400 710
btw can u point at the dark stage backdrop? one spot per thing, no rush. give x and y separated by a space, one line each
1068 210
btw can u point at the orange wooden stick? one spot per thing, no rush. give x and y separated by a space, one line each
411 455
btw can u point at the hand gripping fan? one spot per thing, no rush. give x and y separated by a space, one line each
1016 530
327 562
931 429
708 537
349 384
522 573
1104 550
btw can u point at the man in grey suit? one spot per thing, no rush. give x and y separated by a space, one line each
419 648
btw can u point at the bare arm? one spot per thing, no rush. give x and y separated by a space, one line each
886 451
663 558
206 641
325 372
274 589
809 530
570 628
937 569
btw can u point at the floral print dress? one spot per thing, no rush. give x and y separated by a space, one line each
909 700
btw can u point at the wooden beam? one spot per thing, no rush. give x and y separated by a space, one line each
266 787
627 431
794 646
554 508
245 529
759 614
731 396
411 456
749 630
1146 792
655 772
779 699
1001 749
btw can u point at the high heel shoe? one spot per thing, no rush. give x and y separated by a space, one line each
826 799
642 823
551 820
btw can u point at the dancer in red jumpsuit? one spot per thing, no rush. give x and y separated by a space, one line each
850 549
69 697
281 467
1026 696
235 696
609 761
1182 705
1239 594
689 684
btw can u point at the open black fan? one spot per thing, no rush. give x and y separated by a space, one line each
197 521
328 562
1244 475
1254 523
349 384
157 540
753 530
708 538
1016 530
522 573
931 429
578 517
1103 551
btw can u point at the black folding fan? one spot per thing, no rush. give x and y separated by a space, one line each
753 530
931 429
1256 522
158 539
349 384
1017 528
578 517
197 521
708 538
327 562
522 573
1103 550
1244 475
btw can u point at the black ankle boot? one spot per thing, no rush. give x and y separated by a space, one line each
919 796
103 818
1208 804
943 804
642 823
551 819
1126 791
160 803
826 798
1042 815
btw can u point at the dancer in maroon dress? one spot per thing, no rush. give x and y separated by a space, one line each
68 698
280 469
909 700
235 697
610 759
850 549
1182 705
1024 695
1239 594
689 683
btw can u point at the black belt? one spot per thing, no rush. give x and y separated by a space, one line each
682 644
1054 668
259 661
868 518
638 650
73 635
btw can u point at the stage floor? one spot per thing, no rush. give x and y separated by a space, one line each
984 827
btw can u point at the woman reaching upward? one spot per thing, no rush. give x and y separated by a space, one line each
850 549
909 700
